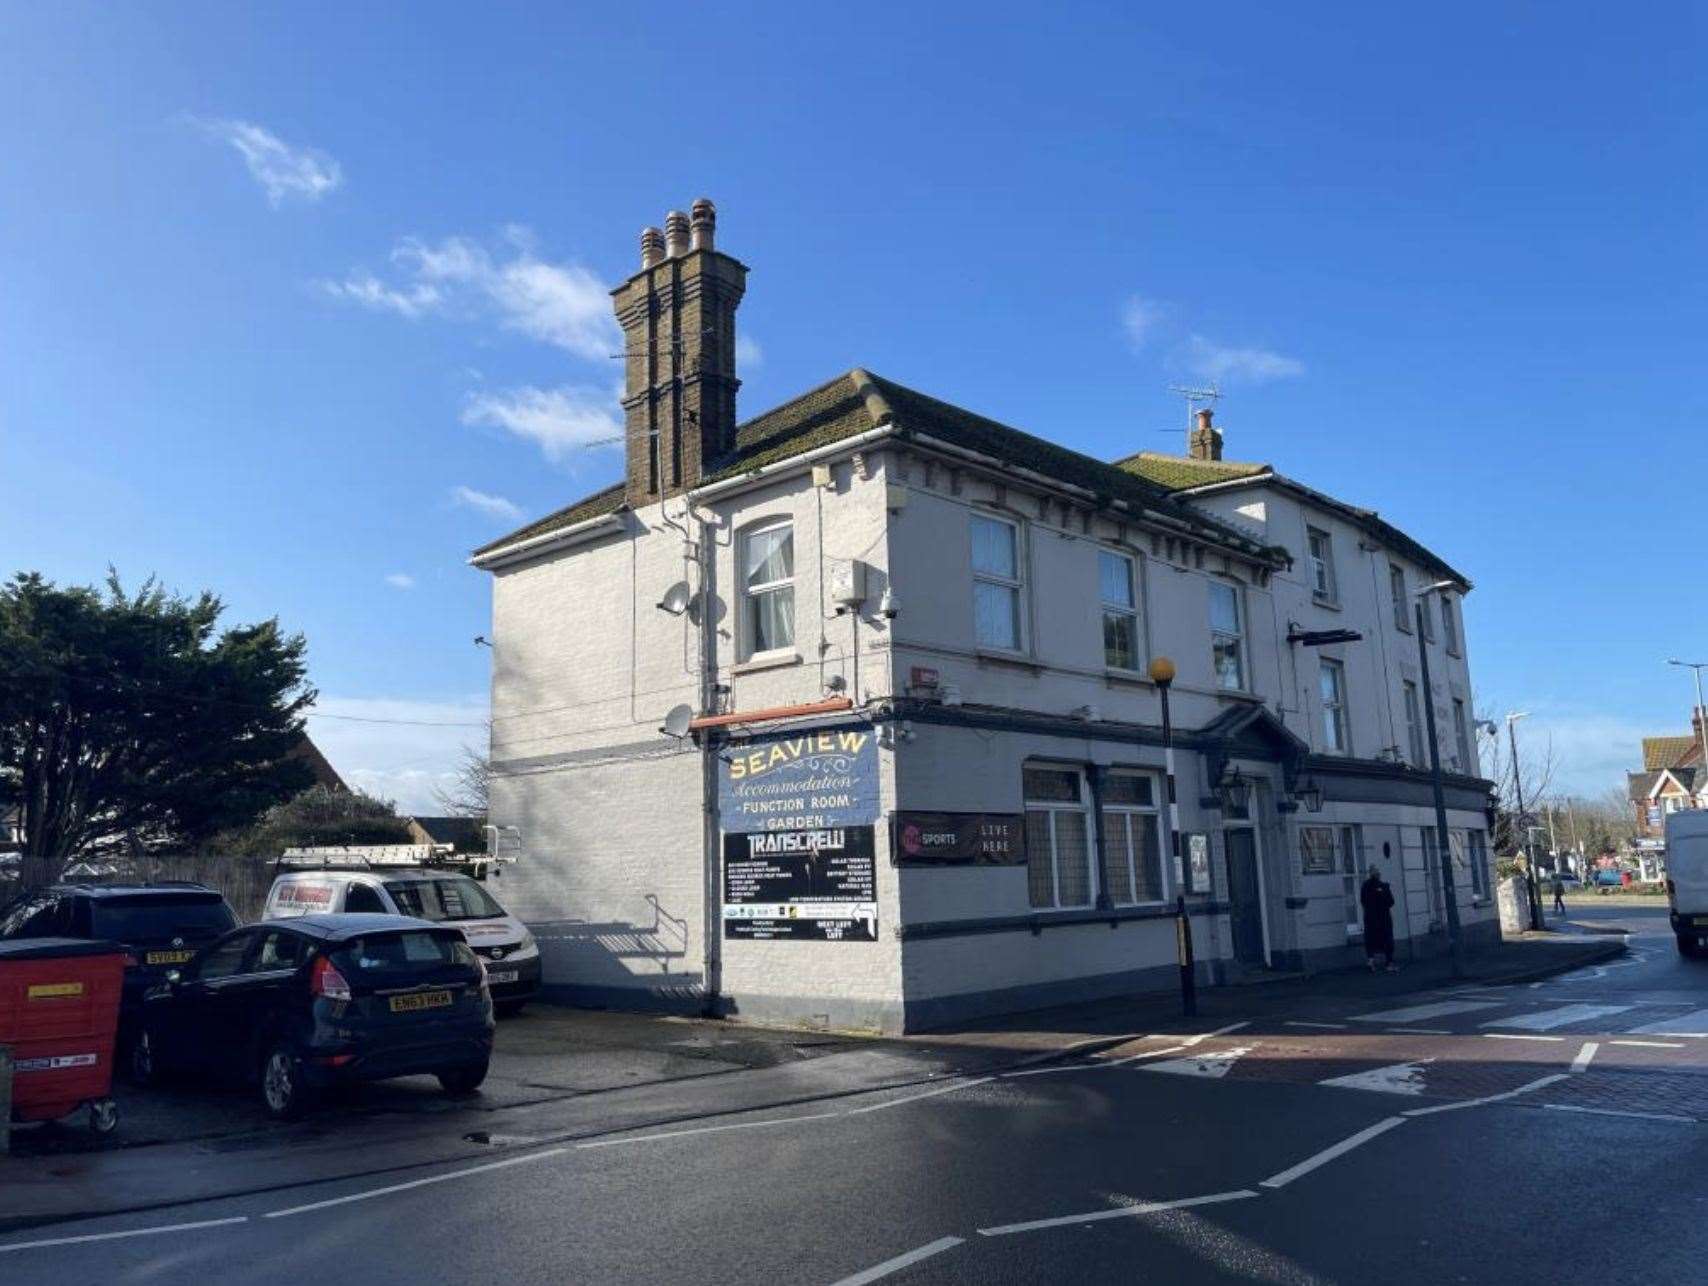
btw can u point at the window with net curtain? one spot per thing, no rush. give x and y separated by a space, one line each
1227 636
768 587
996 583
1116 588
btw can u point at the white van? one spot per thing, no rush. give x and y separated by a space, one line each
1687 879
311 883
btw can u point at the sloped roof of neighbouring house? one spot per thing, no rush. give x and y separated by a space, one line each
324 773
1664 752
858 402
1185 475
1639 784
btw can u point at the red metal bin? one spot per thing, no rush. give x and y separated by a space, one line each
59 1013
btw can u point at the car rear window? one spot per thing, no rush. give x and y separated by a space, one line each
159 916
450 897
379 953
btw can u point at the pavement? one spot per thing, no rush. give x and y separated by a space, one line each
562 1073
1456 1132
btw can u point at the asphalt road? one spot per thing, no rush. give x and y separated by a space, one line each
1548 1133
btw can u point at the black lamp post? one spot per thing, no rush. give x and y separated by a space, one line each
1162 674
1443 850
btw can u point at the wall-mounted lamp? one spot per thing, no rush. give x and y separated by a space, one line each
1234 790
1309 793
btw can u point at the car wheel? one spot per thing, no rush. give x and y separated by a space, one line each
508 1008
284 1093
1687 946
463 1080
140 1064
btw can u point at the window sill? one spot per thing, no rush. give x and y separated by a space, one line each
1138 678
1238 694
1016 660
1327 602
766 661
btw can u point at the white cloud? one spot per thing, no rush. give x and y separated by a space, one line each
409 301
484 502
400 580
404 760
748 353
1222 362
562 304
282 171
1139 318
557 420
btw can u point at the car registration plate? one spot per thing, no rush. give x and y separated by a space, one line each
167 957
420 1000
502 975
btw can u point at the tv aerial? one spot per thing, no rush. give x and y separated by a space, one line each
1195 398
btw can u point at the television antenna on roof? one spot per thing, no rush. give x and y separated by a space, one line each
1194 398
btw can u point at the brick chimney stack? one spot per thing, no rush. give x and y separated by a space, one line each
1205 441
679 382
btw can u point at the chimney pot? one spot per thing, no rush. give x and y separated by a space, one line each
675 234
705 223
1205 441
1205 415
652 247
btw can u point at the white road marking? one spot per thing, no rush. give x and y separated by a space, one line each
1581 1062
1418 1013
1695 1024
1417 1031
416 1183
1509 1035
900 1262
1540 1083
1650 1044
1401 1078
1330 1153
911 1098
128 1232
1095 1066
1607 1111
1213 1065
1118 1212
710 1129
1548 1019
1322 1026
1149 1053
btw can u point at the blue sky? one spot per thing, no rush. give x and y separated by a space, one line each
300 303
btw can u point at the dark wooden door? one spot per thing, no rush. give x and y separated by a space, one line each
1244 897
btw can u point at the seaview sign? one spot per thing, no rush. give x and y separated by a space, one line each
802 781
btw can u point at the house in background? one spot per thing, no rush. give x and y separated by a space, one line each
1673 778
324 773
842 715
447 834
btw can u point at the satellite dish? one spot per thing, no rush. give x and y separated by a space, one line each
677 721
676 598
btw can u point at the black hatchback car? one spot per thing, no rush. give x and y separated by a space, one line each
294 1006
162 925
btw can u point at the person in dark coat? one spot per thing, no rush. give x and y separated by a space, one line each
1377 900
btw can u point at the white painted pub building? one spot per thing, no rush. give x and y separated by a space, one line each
840 716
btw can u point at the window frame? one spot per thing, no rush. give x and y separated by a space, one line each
750 651
1135 586
1462 737
1332 853
1015 585
1412 701
1401 595
1325 583
1450 632
1477 854
1353 868
1088 819
1336 718
1237 594
1167 882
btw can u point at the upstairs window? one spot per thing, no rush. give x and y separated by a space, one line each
768 588
1397 590
997 583
1414 724
1227 636
1449 625
1462 737
1322 565
1117 587
1332 685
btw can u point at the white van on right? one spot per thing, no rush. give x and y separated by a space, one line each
1687 879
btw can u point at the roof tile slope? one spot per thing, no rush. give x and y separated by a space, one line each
1176 472
841 408
1664 752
